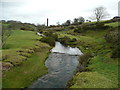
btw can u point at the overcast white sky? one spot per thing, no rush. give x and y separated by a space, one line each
37 11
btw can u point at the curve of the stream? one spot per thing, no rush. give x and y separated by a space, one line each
62 64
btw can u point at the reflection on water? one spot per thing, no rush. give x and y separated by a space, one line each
68 50
61 67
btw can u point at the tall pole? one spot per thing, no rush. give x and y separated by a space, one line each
47 22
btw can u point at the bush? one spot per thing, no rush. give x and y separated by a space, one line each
84 59
116 52
49 40
113 38
73 40
64 40
80 29
101 26
71 27
51 34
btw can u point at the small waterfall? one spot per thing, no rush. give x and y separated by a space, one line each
67 50
40 34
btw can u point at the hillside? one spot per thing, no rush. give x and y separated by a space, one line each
100 69
24 54
23 59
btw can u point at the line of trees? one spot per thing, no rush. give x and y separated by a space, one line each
76 21
99 13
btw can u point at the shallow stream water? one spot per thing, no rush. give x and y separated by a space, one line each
62 64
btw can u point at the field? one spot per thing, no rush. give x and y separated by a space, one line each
26 66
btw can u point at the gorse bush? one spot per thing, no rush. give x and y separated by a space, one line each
116 52
49 40
71 27
84 59
51 34
113 38
101 26
66 41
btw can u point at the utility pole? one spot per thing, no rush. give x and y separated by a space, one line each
47 22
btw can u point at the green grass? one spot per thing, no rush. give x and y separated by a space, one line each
17 41
103 74
21 39
28 62
103 69
114 24
23 75
105 66
91 80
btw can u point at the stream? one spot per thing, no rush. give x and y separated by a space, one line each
62 64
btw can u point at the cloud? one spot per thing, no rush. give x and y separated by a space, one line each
37 11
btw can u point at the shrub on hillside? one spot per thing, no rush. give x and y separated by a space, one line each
71 27
73 40
51 34
84 59
116 52
113 38
66 41
101 26
49 40
79 29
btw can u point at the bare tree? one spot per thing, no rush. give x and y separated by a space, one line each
99 13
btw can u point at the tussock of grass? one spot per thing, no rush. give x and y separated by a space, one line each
23 75
6 65
91 80
16 60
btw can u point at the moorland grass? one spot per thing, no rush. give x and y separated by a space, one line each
27 55
23 75
103 70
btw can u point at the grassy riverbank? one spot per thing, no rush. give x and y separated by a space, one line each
102 70
24 58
